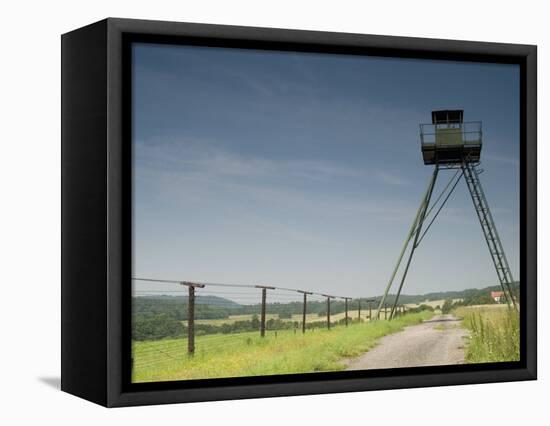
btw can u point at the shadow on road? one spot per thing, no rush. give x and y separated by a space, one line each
442 320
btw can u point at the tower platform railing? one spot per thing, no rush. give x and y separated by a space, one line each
467 133
451 143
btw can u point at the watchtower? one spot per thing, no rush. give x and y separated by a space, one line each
450 143
450 140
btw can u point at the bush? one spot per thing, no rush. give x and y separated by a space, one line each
421 308
447 306
424 307
155 327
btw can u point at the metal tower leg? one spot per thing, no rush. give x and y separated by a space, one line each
414 231
489 231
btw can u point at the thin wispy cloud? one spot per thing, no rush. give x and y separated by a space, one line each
193 174
193 156
392 179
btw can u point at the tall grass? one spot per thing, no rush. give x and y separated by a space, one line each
247 354
494 333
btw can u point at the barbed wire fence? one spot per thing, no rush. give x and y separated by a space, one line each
269 309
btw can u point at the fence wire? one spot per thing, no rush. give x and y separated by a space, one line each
226 317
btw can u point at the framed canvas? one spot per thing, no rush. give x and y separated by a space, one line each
255 212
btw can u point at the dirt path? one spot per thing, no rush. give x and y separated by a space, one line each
439 341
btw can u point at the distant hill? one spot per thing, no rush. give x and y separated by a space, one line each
175 307
469 293
216 307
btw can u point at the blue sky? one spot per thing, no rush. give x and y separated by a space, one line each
304 170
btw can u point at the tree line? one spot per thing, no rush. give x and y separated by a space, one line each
161 326
213 307
161 317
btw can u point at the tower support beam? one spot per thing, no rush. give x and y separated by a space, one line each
490 233
414 231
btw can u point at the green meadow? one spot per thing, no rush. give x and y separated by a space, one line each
494 333
247 354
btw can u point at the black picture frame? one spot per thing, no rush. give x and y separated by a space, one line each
96 211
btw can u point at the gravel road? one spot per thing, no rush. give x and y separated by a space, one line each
438 341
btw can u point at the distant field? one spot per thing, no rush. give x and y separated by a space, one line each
247 354
495 306
353 314
432 303
296 317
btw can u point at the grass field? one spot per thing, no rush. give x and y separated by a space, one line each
432 303
247 354
494 333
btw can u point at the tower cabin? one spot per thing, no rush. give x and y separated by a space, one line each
448 140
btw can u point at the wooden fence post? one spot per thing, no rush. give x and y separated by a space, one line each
328 309
346 304
262 315
304 313
328 313
304 309
359 314
191 316
191 321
